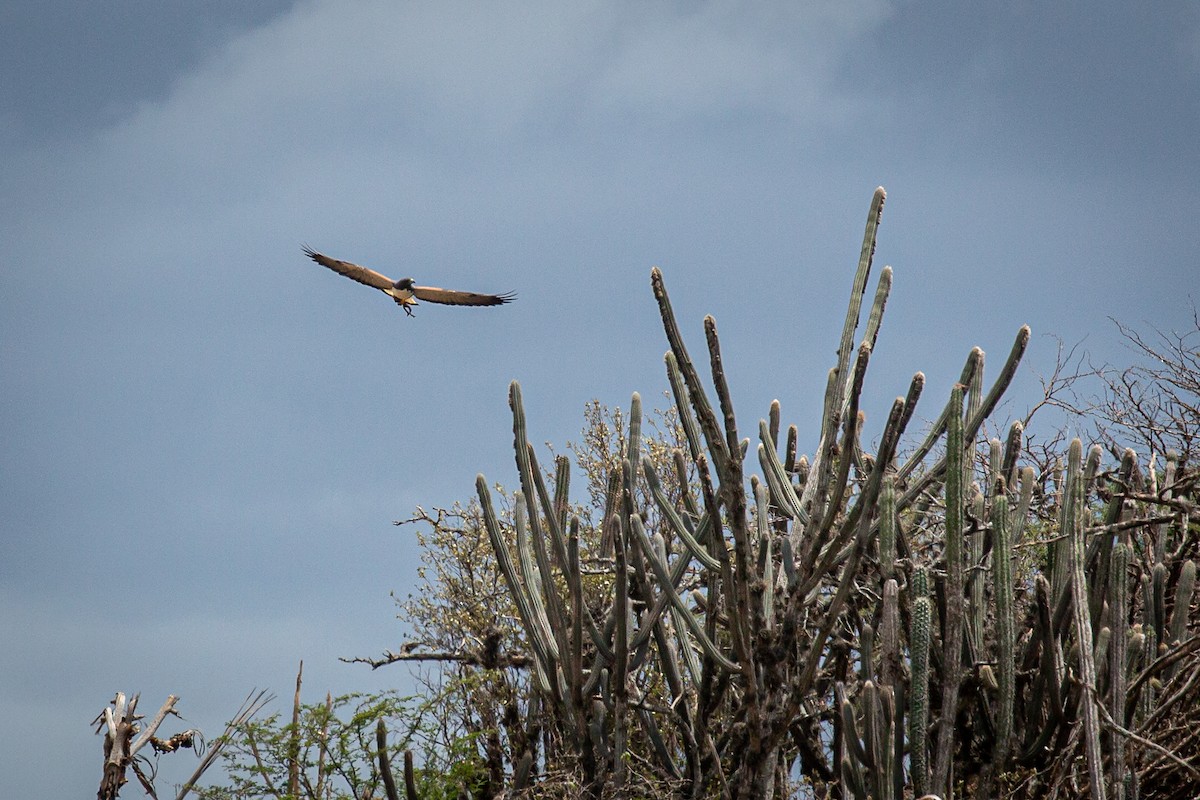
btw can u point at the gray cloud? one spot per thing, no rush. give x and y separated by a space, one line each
193 406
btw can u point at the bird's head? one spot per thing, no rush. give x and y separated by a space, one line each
404 284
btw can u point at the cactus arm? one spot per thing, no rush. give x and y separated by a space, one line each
854 745
1007 372
574 579
793 446
660 572
737 633
865 503
682 404
684 481
773 426
533 487
553 510
890 678
887 528
520 596
995 464
1158 607
841 376
782 493
974 363
677 573
813 496
874 319
534 581
634 439
562 491
672 517
691 379
733 446
766 570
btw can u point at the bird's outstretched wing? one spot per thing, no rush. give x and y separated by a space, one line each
433 294
353 271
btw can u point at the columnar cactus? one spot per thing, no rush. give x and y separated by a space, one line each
842 594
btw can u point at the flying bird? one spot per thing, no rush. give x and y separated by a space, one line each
404 291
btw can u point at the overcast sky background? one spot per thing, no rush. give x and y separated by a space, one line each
205 438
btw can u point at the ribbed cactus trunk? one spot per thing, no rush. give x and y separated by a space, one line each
1006 640
952 620
918 714
1077 546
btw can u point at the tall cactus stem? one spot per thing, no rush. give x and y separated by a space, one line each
866 652
1183 602
889 634
620 681
1012 451
1006 643
1150 644
765 557
1118 588
953 623
1077 545
1020 514
1158 578
841 375
918 701
976 607
887 527
995 463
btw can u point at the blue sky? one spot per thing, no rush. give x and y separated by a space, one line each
206 437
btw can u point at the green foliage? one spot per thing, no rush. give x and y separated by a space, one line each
330 752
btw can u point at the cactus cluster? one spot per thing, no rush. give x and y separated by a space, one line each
860 624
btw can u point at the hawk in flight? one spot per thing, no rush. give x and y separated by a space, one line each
404 291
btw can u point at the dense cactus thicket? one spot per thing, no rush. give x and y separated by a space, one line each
942 617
